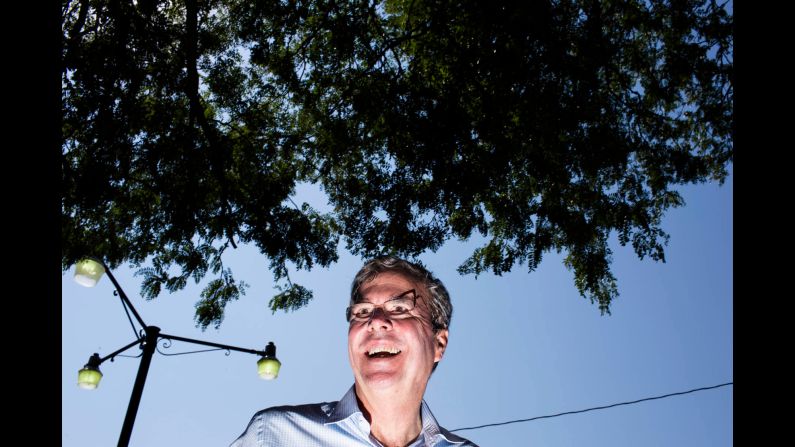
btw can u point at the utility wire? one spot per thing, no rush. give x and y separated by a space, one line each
594 408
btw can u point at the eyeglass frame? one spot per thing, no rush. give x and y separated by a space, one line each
349 317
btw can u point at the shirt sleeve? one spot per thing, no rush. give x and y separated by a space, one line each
249 437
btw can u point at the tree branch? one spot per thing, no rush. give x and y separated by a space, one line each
197 112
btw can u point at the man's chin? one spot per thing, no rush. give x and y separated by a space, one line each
380 378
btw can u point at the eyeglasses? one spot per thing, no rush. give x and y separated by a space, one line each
397 307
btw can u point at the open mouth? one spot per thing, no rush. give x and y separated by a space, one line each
382 352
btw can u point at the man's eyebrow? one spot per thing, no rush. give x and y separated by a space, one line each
412 291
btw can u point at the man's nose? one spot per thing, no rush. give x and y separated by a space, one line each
379 319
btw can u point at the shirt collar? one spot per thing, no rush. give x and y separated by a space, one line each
348 407
431 429
345 408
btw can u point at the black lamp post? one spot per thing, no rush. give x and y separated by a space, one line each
87 273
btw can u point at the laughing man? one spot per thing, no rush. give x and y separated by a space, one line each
399 316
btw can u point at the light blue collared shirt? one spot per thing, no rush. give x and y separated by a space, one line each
332 424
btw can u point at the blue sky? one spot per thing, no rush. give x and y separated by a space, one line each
521 345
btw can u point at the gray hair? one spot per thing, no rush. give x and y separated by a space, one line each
438 301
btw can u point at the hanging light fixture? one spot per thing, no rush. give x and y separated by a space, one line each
88 377
88 272
268 366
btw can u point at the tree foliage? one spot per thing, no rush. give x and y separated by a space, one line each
544 125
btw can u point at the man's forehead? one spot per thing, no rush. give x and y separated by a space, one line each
385 286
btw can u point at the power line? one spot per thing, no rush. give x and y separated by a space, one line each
594 408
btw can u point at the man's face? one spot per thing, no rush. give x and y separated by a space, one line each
396 353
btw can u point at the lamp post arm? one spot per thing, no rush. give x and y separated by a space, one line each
216 345
119 351
123 296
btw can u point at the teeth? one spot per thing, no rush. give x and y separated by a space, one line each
381 349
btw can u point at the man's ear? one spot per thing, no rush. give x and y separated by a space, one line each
441 343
